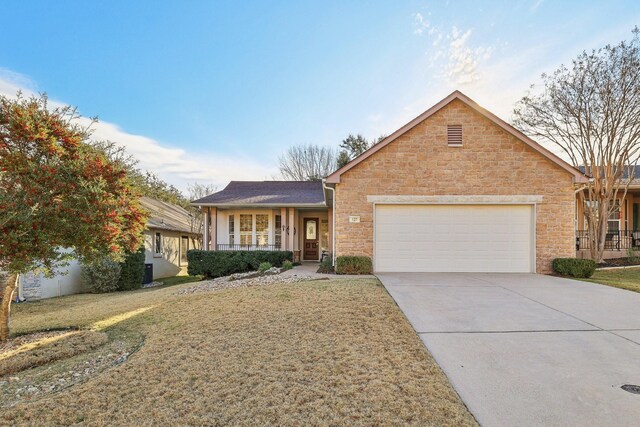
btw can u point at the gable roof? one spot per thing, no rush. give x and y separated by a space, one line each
267 193
334 178
166 216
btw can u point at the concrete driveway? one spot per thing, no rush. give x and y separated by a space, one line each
526 349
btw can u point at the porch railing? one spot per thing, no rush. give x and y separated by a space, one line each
619 240
226 247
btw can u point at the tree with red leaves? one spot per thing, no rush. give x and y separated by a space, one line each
60 197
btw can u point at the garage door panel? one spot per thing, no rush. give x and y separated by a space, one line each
482 238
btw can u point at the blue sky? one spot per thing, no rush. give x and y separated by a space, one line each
211 91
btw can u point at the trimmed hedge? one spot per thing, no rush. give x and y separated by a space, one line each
212 264
132 271
574 267
353 265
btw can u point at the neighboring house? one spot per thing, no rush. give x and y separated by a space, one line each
455 189
170 233
623 225
168 236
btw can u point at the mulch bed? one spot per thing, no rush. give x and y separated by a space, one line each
619 262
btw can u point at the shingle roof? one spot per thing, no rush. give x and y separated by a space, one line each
626 173
267 193
166 216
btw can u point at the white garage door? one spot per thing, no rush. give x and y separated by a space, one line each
454 238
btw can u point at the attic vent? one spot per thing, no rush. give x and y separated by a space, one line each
454 135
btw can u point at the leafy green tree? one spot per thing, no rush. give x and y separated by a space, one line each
147 183
58 193
352 146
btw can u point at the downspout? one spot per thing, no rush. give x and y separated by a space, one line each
333 221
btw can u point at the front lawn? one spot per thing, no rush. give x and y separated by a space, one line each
178 280
625 278
335 352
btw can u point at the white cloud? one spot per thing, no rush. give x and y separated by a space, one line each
463 66
171 163
420 24
459 61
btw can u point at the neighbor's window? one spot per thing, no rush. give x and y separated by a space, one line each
262 229
613 221
278 231
184 247
246 229
231 230
454 135
157 244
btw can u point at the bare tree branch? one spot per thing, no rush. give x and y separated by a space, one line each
591 111
307 163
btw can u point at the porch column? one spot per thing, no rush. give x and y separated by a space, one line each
283 224
292 226
214 230
205 233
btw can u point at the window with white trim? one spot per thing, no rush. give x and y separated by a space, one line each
157 244
231 230
262 229
278 231
184 247
613 221
246 229
324 235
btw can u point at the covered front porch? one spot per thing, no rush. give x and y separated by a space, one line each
623 228
269 215
304 231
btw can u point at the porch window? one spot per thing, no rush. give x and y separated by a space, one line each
246 229
262 229
231 230
278 231
613 222
324 235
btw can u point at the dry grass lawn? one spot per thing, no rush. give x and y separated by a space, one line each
625 278
316 353
48 349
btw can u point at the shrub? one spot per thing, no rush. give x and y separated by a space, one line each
326 265
287 265
574 267
213 264
101 275
264 266
353 265
132 271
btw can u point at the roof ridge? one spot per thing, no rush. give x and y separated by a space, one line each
334 178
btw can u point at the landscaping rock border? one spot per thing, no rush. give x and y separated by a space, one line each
242 280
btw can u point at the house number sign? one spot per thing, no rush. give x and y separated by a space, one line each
354 218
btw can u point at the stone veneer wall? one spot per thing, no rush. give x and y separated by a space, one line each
491 162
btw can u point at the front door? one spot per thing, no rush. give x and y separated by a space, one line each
311 243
